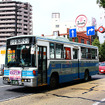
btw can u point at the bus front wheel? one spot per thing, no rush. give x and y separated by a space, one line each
54 82
86 76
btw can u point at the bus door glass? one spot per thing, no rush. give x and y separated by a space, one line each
67 53
42 65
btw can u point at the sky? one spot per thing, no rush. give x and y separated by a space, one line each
68 9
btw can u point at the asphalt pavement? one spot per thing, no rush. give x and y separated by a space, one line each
9 94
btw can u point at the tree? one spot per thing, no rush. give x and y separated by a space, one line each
102 52
97 43
101 3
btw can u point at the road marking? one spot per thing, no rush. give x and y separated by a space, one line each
99 102
5 86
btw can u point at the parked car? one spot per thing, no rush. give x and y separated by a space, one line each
102 67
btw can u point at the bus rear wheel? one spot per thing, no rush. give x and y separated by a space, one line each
54 82
86 77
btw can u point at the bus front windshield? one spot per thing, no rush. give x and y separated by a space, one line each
21 56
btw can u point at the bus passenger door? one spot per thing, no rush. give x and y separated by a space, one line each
42 65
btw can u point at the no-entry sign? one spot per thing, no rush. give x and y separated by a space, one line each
101 29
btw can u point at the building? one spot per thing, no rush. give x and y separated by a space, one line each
63 28
102 23
15 19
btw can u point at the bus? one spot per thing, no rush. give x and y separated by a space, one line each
37 60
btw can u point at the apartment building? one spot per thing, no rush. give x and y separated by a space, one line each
15 19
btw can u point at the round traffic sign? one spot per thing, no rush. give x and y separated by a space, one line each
81 21
101 29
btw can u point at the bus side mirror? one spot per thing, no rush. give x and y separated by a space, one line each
32 49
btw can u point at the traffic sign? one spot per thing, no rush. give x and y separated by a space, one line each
72 33
101 29
81 21
90 30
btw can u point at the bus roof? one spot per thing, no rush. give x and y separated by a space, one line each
56 39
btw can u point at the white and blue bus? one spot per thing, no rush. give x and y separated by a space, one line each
36 61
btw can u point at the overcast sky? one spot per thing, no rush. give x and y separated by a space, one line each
68 9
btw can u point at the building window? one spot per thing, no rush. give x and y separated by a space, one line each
76 39
82 40
70 39
74 25
57 26
88 42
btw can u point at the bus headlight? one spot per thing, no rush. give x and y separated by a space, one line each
26 80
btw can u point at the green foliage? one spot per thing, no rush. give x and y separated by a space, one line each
96 43
101 48
101 3
102 52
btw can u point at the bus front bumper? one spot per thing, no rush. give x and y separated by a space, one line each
30 82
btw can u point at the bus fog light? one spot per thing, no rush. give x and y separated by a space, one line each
29 80
25 80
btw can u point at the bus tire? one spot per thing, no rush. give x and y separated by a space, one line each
54 82
86 76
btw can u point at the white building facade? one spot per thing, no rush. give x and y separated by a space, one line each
60 26
102 23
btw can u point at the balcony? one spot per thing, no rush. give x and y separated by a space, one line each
19 30
2 13
7 25
19 25
5 34
7 17
19 17
7 30
3 39
7 21
11 8
2 43
9 4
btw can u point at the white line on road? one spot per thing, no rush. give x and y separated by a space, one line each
5 86
0 76
99 102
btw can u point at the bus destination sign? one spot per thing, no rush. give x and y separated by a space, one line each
19 41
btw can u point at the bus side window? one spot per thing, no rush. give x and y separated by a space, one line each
75 53
94 53
59 51
67 53
83 51
52 54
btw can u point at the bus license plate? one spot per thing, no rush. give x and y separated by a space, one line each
15 82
